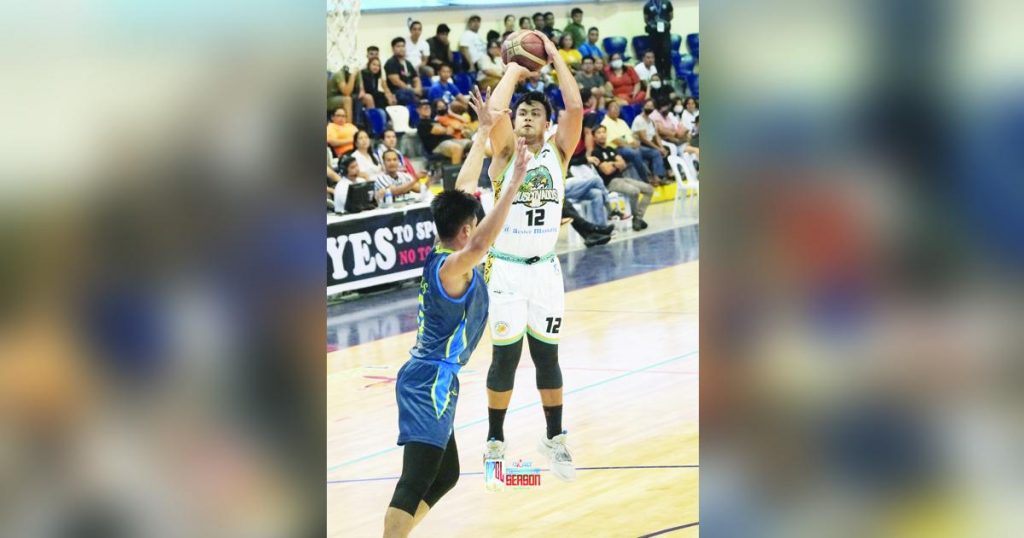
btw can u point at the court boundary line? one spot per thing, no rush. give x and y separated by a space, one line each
670 529
524 406
472 473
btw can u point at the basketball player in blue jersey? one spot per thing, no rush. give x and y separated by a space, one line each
522 271
453 305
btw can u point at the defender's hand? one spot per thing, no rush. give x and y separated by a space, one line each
522 162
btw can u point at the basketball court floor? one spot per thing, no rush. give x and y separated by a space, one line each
630 366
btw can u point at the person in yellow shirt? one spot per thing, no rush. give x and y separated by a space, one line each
567 50
620 136
341 133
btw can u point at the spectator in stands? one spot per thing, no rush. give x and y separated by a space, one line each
611 166
492 35
490 67
575 27
436 137
472 44
510 25
369 164
349 172
332 180
340 132
525 23
688 115
647 134
620 137
567 50
340 88
538 23
624 82
390 142
534 83
549 27
599 66
646 68
669 128
440 50
417 50
659 90
591 48
657 23
592 234
450 118
372 52
374 93
402 78
445 89
590 79
395 180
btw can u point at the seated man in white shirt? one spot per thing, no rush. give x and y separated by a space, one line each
645 69
395 181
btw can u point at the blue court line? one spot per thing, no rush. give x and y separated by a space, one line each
524 406
379 478
670 529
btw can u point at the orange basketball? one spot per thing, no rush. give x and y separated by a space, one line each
525 48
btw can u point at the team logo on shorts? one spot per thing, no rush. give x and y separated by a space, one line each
501 328
538 188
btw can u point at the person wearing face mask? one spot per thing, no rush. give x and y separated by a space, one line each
623 81
659 90
647 134
447 118
669 128
688 115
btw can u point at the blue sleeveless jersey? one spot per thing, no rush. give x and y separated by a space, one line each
448 329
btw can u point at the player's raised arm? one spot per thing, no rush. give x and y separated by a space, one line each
454 269
571 125
469 174
502 143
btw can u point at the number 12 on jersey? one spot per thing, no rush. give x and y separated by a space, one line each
535 217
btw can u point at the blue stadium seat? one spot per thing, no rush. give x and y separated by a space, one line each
377 119
464 81
677 41
425 81
693 82
693 45
628 112
414 117
615 44
554 96
456 61
641 44
600 116
683 63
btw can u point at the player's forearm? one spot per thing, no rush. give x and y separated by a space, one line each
470 172
567 83
489 228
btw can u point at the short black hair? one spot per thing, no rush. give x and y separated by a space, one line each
549 13
451 210
474 18
414 23
574 11
385 154
585 95
538 14
587 57
593 29
372 48
386 131
533 97
396 41
493 35
345 162
443 28
443 65
599 127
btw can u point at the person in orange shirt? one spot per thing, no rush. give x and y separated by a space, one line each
340 132
460 127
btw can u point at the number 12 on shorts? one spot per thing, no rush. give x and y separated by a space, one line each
554 324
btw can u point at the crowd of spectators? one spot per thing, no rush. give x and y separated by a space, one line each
635 115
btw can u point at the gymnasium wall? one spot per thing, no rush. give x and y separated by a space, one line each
611 18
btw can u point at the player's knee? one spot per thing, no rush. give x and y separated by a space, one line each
501 376
545 359
444 483
411 488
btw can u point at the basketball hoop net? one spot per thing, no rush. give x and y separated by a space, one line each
342 19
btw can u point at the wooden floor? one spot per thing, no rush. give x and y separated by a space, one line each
629 362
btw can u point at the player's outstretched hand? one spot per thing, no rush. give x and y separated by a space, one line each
478 101
522 163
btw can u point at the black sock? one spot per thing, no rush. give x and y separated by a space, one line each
553 416
496 423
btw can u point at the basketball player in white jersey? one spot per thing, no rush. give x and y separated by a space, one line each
527 297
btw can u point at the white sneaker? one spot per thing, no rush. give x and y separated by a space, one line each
559 458
494 472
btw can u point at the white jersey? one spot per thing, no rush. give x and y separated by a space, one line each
536 214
